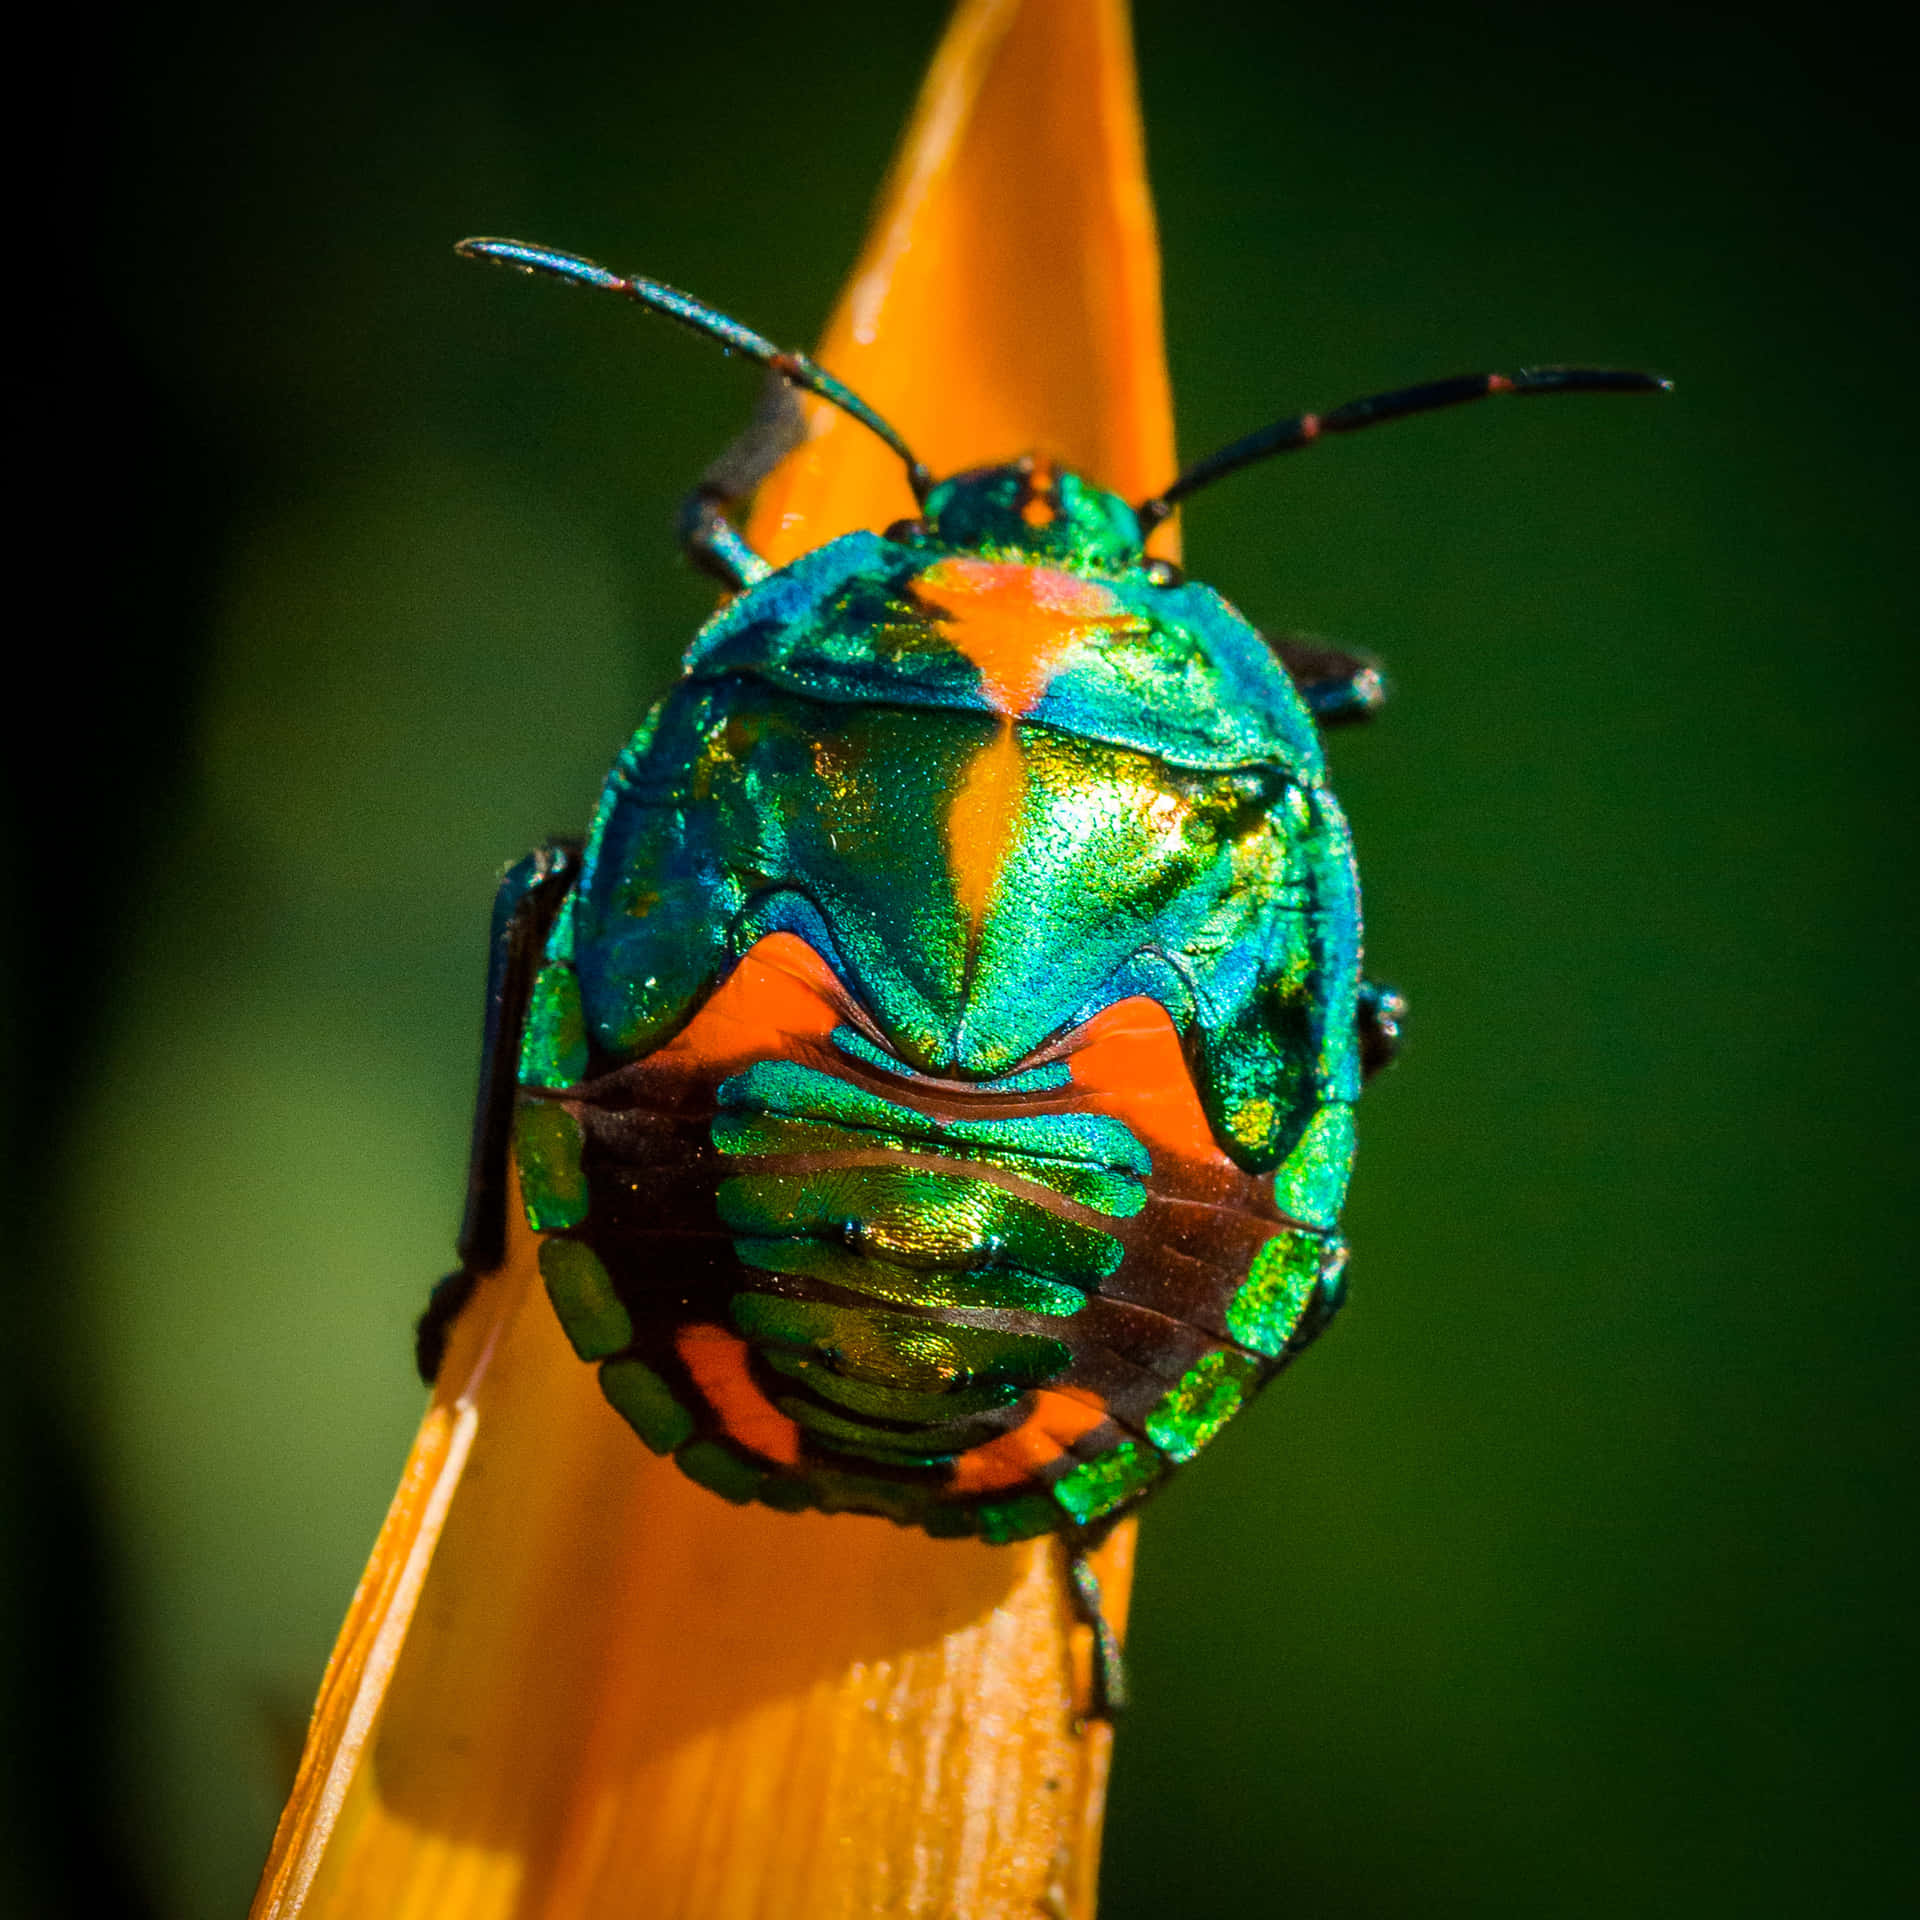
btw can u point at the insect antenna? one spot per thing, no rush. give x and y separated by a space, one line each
800 369
1303 429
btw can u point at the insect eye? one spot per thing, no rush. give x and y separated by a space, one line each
1163 573
905 530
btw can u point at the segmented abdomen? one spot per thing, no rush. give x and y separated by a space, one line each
821 1279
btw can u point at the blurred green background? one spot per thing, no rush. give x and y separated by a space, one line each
1569 1575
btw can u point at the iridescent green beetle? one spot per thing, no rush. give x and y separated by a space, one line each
934 1075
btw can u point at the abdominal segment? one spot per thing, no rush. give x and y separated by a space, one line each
820 1279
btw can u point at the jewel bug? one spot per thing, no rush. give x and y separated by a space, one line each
932 1077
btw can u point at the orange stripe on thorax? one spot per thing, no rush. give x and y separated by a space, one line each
1016 623
981 820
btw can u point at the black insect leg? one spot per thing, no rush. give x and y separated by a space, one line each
523 911
1338 686
1381 1014
1341 687
708 536
1109 1664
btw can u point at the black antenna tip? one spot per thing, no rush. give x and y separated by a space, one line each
1535 380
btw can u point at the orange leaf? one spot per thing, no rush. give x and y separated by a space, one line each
572 1683
1008 300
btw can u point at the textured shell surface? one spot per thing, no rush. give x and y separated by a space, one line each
937 1089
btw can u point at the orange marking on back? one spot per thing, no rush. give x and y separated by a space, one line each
780 991
717 1361
783 999
1057 1420
981 821
1128 1059
1017 622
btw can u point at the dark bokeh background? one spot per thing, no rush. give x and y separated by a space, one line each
1568 1576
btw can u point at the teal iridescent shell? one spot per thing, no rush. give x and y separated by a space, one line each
938 1085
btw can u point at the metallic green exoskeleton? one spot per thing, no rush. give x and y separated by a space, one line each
934 1075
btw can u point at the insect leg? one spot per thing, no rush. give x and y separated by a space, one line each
1338 686
1109 1664
1381 1015
707 536
523 911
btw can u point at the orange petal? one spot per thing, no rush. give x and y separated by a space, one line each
1008 300
572 1683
